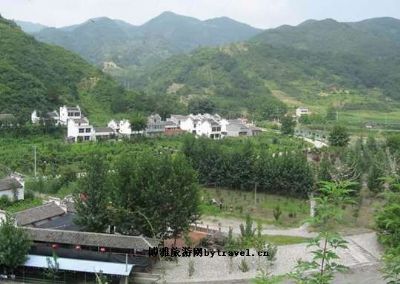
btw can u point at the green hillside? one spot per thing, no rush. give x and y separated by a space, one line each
35 75
102 39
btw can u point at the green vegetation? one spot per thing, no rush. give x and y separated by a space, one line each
102 39
331 198
14 245
38 76
147 193
237 204
279 240
244 167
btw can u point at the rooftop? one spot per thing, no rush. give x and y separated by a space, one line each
9 183
40 213
103 130
90 239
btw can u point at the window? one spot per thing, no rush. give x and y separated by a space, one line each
70 114
88 130
81 130
77 114
87 138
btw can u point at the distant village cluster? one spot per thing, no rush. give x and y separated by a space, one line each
207 125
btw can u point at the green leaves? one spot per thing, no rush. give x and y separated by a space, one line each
14 244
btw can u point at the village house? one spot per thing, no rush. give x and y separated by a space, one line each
103 133
52 116
79 130
67 113
123 127
7 120
155 125
51 229
12 188
300 111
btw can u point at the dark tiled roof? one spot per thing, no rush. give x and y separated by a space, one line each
9 183
90 239
39 213
73 109
103 129
6 116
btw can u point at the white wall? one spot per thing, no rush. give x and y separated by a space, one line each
10 193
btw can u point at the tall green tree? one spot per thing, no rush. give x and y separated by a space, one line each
339 136
287 125
14 244
91 200
154 193
138 122
201 105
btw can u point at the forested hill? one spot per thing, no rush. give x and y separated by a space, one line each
35 75
314 59
372 37
102 39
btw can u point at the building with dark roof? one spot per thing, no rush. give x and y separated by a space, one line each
11 188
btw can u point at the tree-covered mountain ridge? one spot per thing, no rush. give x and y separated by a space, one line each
103 39
314 61
35 75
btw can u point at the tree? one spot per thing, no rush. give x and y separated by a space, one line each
161 187
288 125
331 201
138 122
387 220
14 244
201 105
339 136
92 199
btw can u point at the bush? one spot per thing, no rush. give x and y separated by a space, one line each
243 266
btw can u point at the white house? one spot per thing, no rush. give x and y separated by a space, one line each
210 128
177 119
12 188
67 113
80 130
50 116
300 111
122 127
102 133
155 125
34 117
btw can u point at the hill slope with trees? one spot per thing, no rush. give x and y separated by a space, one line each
35 75
102 39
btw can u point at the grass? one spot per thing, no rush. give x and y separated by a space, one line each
284 240
237 204
23 205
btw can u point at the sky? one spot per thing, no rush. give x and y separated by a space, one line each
258 13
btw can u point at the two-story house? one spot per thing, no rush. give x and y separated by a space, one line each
155 125
80 130
67 113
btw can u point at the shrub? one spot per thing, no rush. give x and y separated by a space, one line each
243 266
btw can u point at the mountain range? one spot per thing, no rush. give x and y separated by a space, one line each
102 39
242 70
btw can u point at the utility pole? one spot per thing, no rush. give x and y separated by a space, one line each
34 157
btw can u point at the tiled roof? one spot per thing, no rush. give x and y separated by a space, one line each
9 183
39 213
90 239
